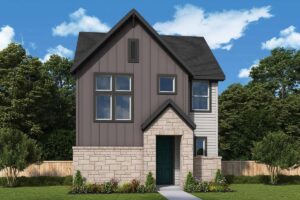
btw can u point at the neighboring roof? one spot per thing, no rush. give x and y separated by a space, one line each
168 103
191 53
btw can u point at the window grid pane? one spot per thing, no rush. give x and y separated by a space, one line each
123 107
103 107
103 82
123 83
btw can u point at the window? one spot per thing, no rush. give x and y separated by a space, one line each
166 84
113 97
200 146
133 50
200 95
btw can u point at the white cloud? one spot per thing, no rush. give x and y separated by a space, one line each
79 21
219 28
245 72
58 50
7 34
32 45
288 38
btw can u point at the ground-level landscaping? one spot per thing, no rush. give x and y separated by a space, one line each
61 193
255 192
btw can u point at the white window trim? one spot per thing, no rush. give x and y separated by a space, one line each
129 109
207 96
100 90
173 82
110 97
129 84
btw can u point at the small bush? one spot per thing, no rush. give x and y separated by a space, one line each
141 189
108 188
78 179
125 188
134 185
150 185
190 183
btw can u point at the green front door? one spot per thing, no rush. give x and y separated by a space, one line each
164 160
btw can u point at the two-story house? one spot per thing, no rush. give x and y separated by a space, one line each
145 102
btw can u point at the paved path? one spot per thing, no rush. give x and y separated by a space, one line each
175 193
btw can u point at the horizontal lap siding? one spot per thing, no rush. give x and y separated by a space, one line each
153 60
207 123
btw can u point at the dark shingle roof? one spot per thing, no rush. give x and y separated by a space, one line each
192 53
168 104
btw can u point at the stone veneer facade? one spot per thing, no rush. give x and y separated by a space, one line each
169 124
205 168
99 164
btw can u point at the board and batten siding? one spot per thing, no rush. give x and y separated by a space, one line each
207 123
153 60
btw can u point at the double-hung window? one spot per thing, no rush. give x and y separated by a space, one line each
200 95
113 96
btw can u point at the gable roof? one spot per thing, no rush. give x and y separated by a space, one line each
168 104
191 53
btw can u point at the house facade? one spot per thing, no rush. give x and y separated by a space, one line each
145 103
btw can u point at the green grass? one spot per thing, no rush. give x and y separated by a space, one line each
61 193
255 192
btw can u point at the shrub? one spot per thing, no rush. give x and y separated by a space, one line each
262 179
125 188
39 181
150 185
114 183
190 183
78 179
141 189
108 188
134 185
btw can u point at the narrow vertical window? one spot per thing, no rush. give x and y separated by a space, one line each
133 50
200 95
200 146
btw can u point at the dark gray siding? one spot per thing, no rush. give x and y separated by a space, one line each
153 60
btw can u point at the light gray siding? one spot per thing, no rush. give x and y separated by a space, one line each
207 123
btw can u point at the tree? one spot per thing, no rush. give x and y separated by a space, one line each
278 151
279 72
17 152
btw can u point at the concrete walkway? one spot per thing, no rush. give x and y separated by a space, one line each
175 193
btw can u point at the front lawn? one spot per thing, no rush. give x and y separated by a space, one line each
255 192
61 193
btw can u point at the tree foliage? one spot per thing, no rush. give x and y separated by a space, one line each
278 151
269 102
36 98
17 151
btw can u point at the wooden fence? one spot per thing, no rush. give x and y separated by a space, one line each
237 168
251 168
47 168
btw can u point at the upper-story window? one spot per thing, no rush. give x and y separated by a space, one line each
166 84
133 50
200 95
113 97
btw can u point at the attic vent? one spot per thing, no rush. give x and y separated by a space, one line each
133 50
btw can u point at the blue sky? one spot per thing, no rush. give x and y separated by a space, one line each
239 32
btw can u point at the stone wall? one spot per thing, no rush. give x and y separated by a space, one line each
205 168
99 164
169 123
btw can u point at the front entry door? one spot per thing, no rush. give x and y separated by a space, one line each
164 160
